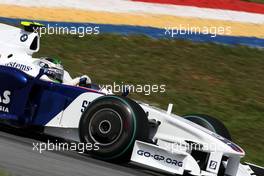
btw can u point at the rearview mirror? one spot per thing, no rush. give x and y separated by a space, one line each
42 72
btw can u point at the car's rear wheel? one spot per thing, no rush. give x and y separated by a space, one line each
113 123
209 123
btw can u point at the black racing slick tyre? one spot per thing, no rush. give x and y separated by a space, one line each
113 123
209 123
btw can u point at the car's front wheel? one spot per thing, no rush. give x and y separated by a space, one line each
113 123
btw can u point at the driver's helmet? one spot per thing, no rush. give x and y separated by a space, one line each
53 67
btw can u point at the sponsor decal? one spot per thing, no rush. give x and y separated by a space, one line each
213 165
160 158
23 37
4 101
53 71
84 105
21 67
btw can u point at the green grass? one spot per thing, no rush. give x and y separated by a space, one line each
3 173
258 1
222 81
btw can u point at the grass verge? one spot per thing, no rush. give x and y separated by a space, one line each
3 173
222 81
257 1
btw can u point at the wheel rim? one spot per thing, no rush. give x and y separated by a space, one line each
105 126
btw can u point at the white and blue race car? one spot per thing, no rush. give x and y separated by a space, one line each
123 129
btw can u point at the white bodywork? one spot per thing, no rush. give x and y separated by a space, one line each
17 47
170 151
170 137
17 41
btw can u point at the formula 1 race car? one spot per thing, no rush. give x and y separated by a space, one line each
123 129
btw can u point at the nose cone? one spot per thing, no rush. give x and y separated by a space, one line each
234 147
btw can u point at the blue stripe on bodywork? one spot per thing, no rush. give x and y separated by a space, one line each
33 101
54 98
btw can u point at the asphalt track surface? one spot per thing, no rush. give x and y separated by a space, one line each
18 158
